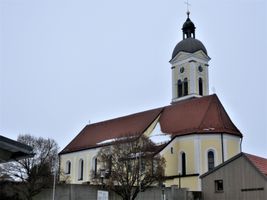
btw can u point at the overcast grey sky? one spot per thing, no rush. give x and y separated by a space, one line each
67 62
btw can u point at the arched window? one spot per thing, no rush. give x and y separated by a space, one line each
95 165
210 160
180 88
80 170
200 85
183 164
68 167
185 87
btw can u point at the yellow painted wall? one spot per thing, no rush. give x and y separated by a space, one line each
176 75
192 73
210 143
189 145
233 146
172 160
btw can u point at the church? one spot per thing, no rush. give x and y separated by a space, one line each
195 132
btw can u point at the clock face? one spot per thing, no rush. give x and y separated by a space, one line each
200 68
182 70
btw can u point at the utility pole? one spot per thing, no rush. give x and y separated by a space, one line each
54 182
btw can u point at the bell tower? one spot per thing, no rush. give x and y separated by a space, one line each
190 75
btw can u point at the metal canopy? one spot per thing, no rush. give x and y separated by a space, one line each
11 150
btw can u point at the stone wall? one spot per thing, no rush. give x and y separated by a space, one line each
10 191
88 192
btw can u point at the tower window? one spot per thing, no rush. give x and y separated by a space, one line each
210 160
200 85
185 87
80 170
180 88
183 164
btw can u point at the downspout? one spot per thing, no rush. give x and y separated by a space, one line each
222 146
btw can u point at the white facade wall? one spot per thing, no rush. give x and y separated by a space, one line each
74 157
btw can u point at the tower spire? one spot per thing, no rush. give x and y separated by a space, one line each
188 28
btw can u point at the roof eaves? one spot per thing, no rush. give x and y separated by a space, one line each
82 149
201 131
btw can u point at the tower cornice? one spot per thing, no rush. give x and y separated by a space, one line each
183 57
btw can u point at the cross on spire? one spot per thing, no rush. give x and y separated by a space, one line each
187 4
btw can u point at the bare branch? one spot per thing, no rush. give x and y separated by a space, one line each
34 173
134 164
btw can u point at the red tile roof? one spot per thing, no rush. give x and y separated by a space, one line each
191 116
259 162
197 115
129 125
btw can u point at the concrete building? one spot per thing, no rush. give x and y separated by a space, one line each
242 177
195 129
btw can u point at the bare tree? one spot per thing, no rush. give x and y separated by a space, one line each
129 166
34 173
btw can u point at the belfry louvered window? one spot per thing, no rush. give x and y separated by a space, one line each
200 86
180 88
185 87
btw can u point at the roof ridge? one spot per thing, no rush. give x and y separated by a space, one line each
127 115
